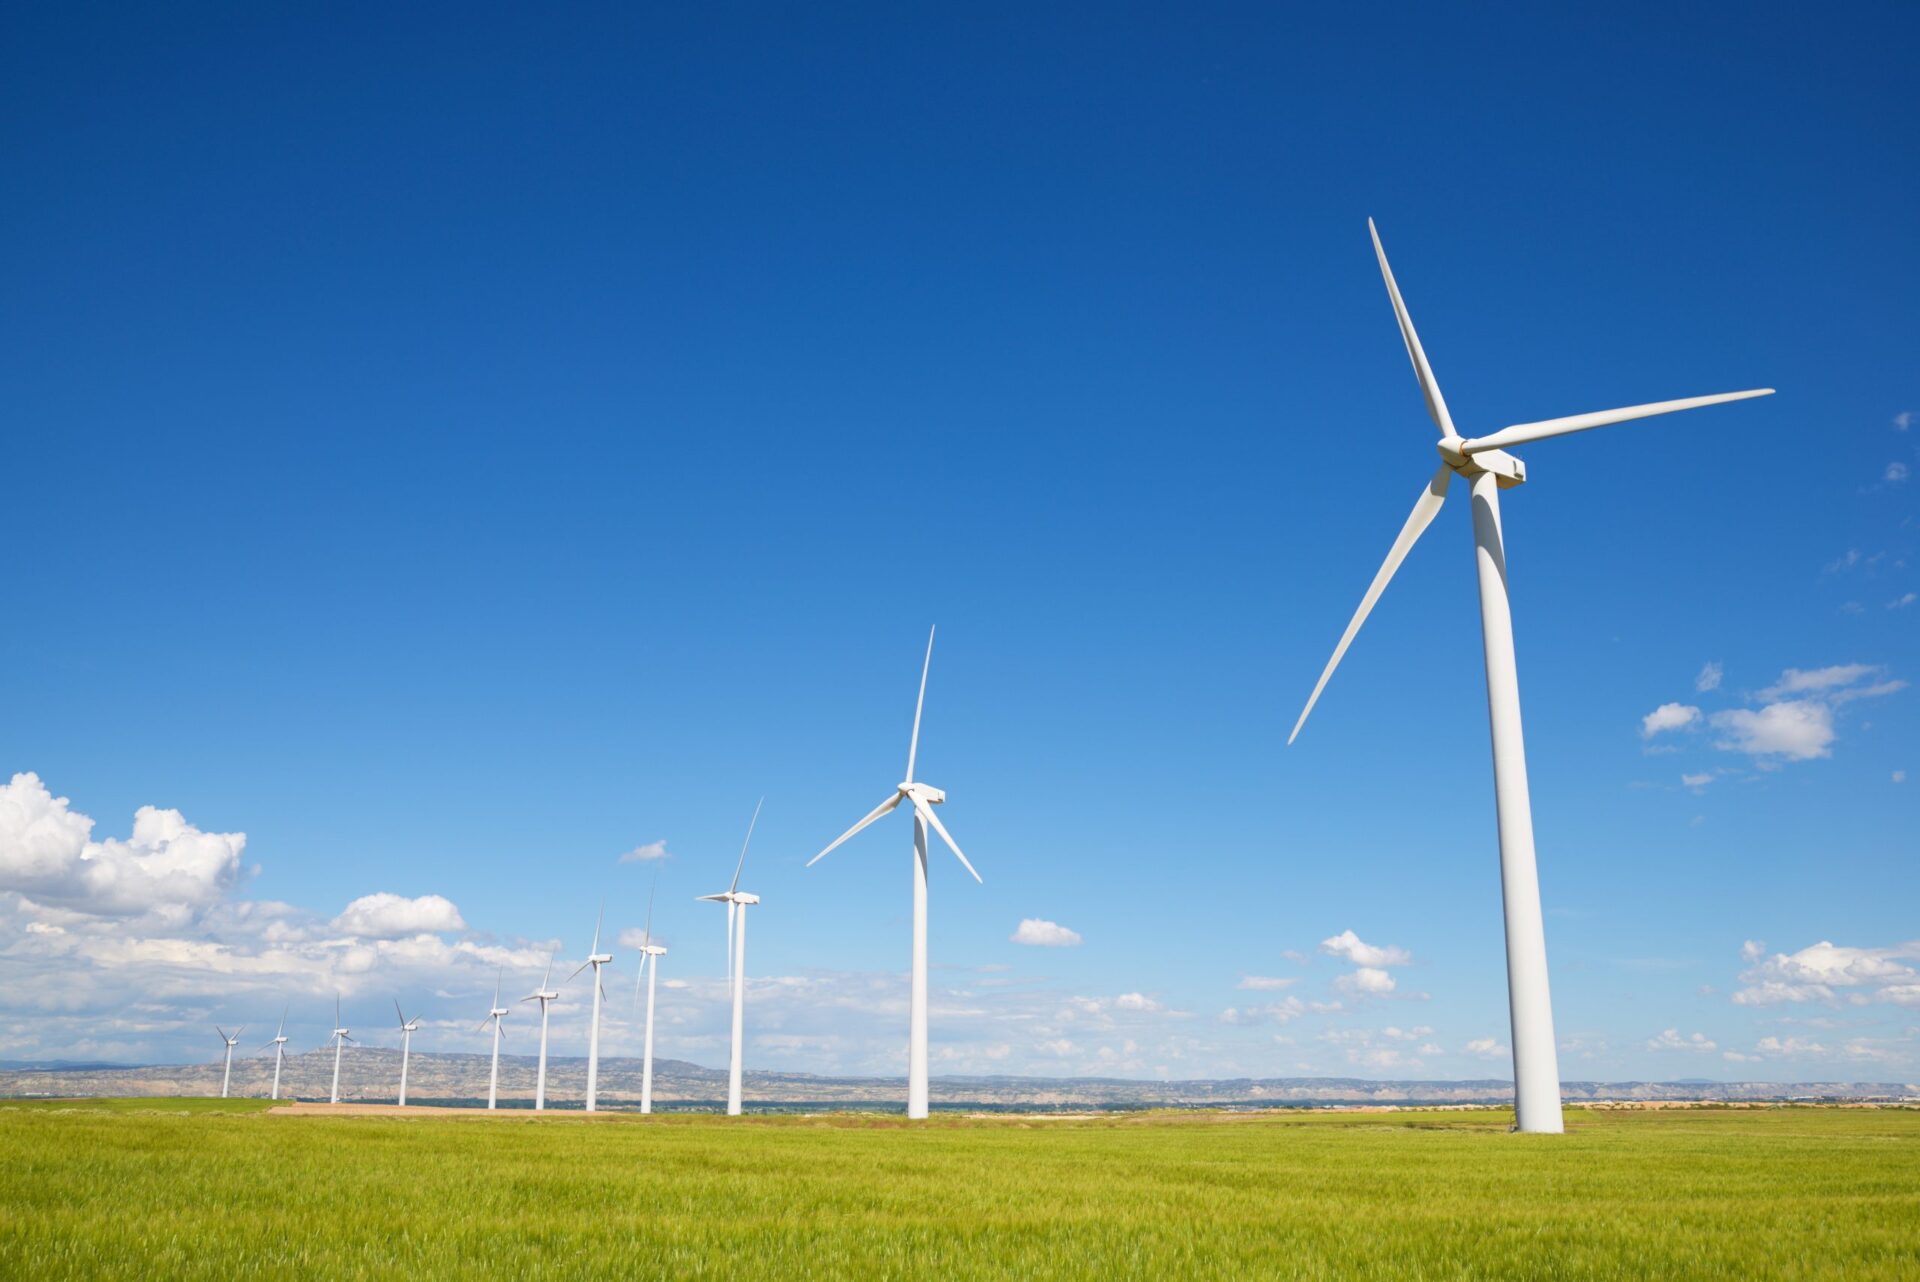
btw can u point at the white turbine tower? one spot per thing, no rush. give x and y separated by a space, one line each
339 1039
279 1044
737 902
650 952
407 1030
1489 469
543 995
494 1017
226 1078
595 959
923 798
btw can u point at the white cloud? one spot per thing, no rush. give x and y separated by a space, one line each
1266 983
1797 729
1896 471
1697 782
1668 716
1832 973
166 868
1899 776
1137 1002
1278 1012
1709 678
1753 950
1799 681
388 916
1903 420
1902 601
1487 1048
1350 946
1671 1040
1368 981
646 853
1044 934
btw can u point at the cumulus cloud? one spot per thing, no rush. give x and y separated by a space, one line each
166 867
1039 933
1137 1002
1753 950
1368 981
1903 420
1668 716
389 916
1487 1048
1350 946
1800 681
646 853
1896 472
1709 678
1798 730
1697 782
1902 601
1671 1040
1831 973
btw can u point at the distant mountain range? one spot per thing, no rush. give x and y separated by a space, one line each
372 1075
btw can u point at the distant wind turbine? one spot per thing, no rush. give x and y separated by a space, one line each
650 953
737 902
595 959
543 995
279 1044
1489 469
340 1039
494 1017
407 1028
227 1077
923 798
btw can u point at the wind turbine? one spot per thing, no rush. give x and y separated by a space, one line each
227 1077
543 995
595 959
923 797
339 1039
407 1029
279 1044
494 1017
649 967
1487 467
737 901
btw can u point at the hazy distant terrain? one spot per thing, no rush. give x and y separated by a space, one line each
374 1074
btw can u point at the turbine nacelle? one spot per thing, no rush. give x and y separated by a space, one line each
923 792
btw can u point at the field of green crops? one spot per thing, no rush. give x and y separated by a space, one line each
206 1189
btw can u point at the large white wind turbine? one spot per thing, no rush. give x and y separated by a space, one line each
923 798
494 1017
595 959
227 1077
279 1044
650 953
543 995
1489 469
407 1029
340 1039
737 902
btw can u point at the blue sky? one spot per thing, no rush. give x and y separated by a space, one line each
456 450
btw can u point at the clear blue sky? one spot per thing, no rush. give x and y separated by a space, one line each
456 447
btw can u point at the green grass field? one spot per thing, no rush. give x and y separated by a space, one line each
192 1189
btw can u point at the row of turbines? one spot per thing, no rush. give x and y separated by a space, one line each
1484 463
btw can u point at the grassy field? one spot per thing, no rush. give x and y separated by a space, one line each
205 1188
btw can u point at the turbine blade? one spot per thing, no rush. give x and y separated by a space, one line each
222 1032
743 845
402 1014
913 744
647 936
498 976
574 976
881 809
1422 516
1429 386
639 975
549 974
283 1019
594 951
1521 433
483 1024
933 821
